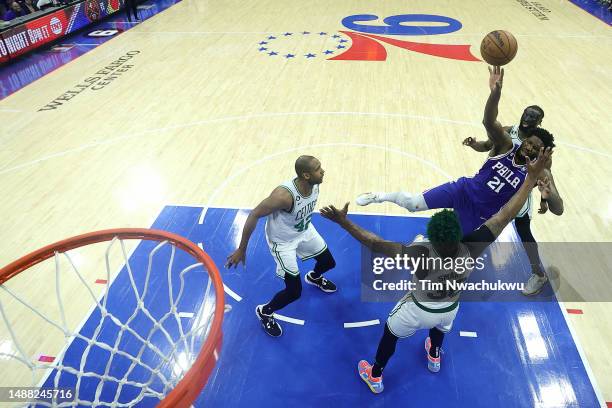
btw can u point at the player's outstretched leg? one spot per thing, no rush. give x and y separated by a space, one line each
433 345
411 202
325 262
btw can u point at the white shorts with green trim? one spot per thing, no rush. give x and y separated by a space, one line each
308 245
406 318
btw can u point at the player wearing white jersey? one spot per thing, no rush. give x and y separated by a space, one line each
419 309
531 119
290 233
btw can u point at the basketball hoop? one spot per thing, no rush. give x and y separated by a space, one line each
205 329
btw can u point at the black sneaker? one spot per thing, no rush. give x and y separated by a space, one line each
268 323
323 284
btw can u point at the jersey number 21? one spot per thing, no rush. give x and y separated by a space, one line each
495 184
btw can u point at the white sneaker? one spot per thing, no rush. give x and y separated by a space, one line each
534 284
367 198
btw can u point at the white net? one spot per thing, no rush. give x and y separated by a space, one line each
141 335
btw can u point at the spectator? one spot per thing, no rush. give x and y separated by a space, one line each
29 6
14 11
42 4
131 8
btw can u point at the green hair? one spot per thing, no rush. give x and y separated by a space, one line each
444 227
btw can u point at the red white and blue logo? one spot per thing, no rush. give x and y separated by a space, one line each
368 42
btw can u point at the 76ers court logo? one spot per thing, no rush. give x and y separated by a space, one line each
368 41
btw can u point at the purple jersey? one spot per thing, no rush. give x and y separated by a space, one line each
496 182
476 199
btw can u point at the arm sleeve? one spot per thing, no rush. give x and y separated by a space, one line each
477 241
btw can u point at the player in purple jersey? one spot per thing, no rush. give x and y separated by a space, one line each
476 199
531 119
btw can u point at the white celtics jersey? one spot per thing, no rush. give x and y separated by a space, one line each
284 226
441 271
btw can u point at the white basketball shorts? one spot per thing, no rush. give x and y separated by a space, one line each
308 245
406 318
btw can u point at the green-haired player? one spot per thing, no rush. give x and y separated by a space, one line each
426 306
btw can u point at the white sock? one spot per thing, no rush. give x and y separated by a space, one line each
406 200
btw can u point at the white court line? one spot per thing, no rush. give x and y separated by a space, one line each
584 149
365 323
467 334
229 179
337 30
289 319
590 36
219 32
232 294
252 116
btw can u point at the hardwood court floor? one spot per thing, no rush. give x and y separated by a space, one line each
202 117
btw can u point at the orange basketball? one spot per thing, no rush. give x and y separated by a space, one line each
498 47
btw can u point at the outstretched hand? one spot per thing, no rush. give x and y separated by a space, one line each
469 141
235 258
545 187
496 78
333 214
534 168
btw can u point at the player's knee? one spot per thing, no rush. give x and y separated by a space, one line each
332 262
295 293
325 261
293 287
412 202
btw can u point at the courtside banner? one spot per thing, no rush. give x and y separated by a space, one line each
35 33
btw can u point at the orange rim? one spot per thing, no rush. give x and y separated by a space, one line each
188 389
